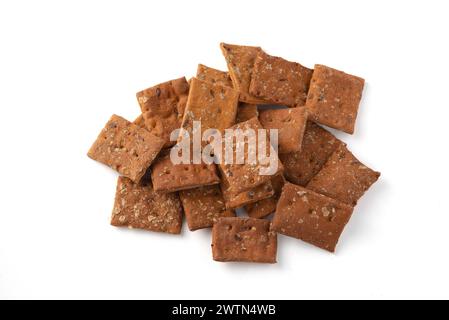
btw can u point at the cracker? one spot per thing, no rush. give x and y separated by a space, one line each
169 177
243 177
244 240
240 61
212 104
215 76
233 201
139 206
310 216
163 107
126 148
246 111
280 81
267 206
343 177
204 206
140 121
317 146
334 98
291 124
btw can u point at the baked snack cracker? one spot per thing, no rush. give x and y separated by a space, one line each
233 201
137 205
291 124
310 216
343 177
240 61
246 111
263 208
126 148
317 146
212 75
279 81
334 98
204 206
169 177
163 107
245 240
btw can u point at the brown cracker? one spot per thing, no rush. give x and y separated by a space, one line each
139 206
311 217
204 206
343 177
334 98
267 206
125 147
245 112
233 201
244 240
317 146
291 124
215 76
240 61
169 177
280 81
163 107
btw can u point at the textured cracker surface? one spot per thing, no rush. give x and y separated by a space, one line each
267 206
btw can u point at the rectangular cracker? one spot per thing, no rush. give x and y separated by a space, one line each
280 81
244 240
246 111
169 177
212 104
163 107
126 148
343 177
265 207
244 177
204 206
233 201
137 205
334 98
291 124
240 61
317 146
215 76
310 216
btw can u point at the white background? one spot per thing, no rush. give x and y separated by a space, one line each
66 66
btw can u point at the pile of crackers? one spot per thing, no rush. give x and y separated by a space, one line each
312 194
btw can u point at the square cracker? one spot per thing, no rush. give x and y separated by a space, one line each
267 206
240 61
291 124
212 104
204 206
244 240
310 216
317 146
233 201
163 107
280 81
246 176
215 76
343 177
137 205
126 148
169 177
246 111
334 98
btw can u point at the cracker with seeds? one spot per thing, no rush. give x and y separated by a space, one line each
244 240
240 61
310 216
317 146
233 201
290 123
163 107
265 207
246 111
334 98
343 177
204 206
214 76
170 177
126 148
137 205
279 81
